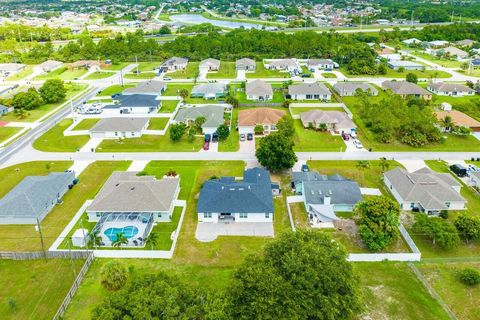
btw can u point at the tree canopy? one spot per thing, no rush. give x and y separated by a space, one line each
275 152
52 91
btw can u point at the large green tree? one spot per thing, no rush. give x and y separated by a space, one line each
275 152
441 232
301 275
177 131
223 132
113 275
468 226
285 126
27 100
53 91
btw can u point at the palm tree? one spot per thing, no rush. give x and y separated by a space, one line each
447 123
384 164
152 239
94 240
199 121
121 239
363 164
183 93
20 113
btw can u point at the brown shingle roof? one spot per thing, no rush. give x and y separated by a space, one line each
256 116
459 118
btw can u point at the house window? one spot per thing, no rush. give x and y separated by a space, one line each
244 215
447 204
159 215
116 133
98 214
267 215
309 96
207 215
133 134
412 205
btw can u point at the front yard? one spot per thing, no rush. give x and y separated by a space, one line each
157 123
7 132
308 140
62 73
261 72
226 71
86 124
191 72
54 141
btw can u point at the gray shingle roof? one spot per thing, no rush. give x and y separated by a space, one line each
127 192
210 62
244 62
50 64
11 67
151 87
258 88
174 61
317 62
34 196
309 88
212 114
344 88
341 190
138 100
120 124
252 195
404 88
449 87
340 119
209 89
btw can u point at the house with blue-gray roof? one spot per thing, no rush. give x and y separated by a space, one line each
229 200
34 197
132 104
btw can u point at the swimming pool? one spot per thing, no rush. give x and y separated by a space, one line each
128 232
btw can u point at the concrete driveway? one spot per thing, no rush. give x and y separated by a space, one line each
247 146
208 231
412 165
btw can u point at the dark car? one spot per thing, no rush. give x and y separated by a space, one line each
208 137
249 136
116 95
345 136
459 170
206 145
215 137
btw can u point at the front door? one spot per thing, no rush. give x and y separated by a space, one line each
226 217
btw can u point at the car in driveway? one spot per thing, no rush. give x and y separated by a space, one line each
357 144
345 136
208 137
215 137
249 136
206 145
167 78
242 137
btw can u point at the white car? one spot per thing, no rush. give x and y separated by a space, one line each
353 134
242 137
357 144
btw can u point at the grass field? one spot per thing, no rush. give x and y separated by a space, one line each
157 123
174 88
37 287
116 88
7 132
62 73
168 106
226 71
191 72
232 142
147 66
310 140
99 75
261 72
54 141
28 70
117 66
440 61
86 124
421 74
329 75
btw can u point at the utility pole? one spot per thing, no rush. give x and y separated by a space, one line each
121 77
41 239
136 62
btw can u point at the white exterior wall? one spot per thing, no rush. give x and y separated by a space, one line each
452 93
245 129
209 130
255 98
304 97
135 110
115 134
251 217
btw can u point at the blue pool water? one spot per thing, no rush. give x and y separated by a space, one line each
128 232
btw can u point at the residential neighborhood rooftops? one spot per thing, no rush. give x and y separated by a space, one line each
213 115
127 192
308 88
450 87
210 63
453 51
404 88
283 63
209 90
252 117
465 42
252 194
50 64
174 61
11 67
349 88
150 87
84 63
320 62
459 118
340 119
258 88
138 100
120 124
404 64
245 62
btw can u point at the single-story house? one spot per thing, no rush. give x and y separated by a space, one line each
132 204
212 90
325 64
411 41
451 51
120 127
437 43
460 119
266 117
48 66
336 121
150 87
405 64
8 69
425 190
347 89
406 89
132 104
465 43
475 63
289 65
210 64
450 89
324 195
232 201
4 110
245 64
213 117
172 64
259 90
309 91
85 64
34 197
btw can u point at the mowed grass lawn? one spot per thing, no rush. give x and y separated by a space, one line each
147 66
54 141
226 71
99 75
307 140
173 89
7 132
141 75
114 89
62 73
157 123
37 287
261 72
190 72
168 106
28 70
86 124
421 74
231 144
151 143
461 299
24 237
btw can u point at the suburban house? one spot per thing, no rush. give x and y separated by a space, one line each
348 89
405 64
212 90
8 69
406 89
318 64
34 197
210 64
85 64
324 195
213 117
173 64
4 110
450 89
150 87
411 41
336 121
245 64
459 119
289 65
132 104
424 190
309 91
229 200
438 43
450 51
259 90
266 117
465 43
120 127
48 66
132 204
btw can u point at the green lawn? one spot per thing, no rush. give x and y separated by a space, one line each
158 123
329 75
232 142
164 231
151 143
310 140
117 66
391 290
168 106
37 287
191 72
86 124
147 66
440 61
298 110
261 72
24 237
28 70
7 132
62 73
116 88
54 141
141 75
425 74
226 71
99 75
461 299
278 97
174 88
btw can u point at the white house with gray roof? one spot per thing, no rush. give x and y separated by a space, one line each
336 121
210 64
209 91
348 89
324 64
34 197
173 64
258 90
8 69
120 127
406 89
288 65
309 91
213 115
405 64
450 89
150 87
48 66
425 190
245 64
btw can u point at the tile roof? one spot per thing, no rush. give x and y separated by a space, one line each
252 117
459 118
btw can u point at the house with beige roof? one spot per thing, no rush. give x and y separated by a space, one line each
48 66
309 91
245 64
335 121
266 117
259 90
459 54
459 119
119 127
210 64
450 89
406 89
425 190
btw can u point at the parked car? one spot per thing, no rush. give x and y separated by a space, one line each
167 78
472 168
459 170
206 145
345 136
357 144
116 95
242 137
305 168
215 137
208 137
353 134
249 136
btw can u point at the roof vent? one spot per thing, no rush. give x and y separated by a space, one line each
117 184
330 192
132 188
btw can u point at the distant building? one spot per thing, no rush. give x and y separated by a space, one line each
348 89
406 89
309 91
405 64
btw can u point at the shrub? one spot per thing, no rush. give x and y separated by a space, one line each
469 277
113 276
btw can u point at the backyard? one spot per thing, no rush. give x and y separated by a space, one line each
261 72
307 140
157 123
54 141
226 71
191 72
168 106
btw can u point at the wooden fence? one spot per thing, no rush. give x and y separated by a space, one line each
35 255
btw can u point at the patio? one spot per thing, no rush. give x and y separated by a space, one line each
207 232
